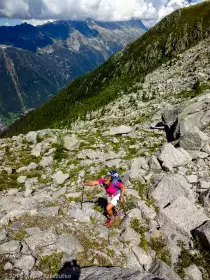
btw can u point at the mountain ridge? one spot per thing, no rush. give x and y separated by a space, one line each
124 72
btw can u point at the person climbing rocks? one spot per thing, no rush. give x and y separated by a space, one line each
115 192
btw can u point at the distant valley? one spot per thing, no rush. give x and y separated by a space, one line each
36 62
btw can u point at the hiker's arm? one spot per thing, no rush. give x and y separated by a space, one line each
122 192
91 183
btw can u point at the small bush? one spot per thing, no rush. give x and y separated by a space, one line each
158 244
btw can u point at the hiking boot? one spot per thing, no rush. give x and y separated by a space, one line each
116 214
108 223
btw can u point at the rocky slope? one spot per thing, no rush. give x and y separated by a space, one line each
158 137
36 62
163 229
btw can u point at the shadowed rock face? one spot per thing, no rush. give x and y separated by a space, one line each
115 273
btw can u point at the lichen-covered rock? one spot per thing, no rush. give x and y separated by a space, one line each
71 143
131 236
194 139
174 156
122 129
162 270
192 272
11 247
25 263
60 177
31 137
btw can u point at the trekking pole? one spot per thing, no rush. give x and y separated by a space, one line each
122 205
82 178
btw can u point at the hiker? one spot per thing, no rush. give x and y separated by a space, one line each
115 191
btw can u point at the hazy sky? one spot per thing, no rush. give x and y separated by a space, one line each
39 11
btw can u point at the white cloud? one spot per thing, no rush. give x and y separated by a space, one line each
107 10
36 22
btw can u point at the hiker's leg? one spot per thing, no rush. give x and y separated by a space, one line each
114 202
109 209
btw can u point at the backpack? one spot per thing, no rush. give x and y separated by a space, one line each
115 178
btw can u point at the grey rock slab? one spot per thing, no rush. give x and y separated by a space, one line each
17 214
205 199
103 232
204 185
182 215
194 139
192 179
143 258
32 166
31 137
136 168
197 154
84 214
46 161
192 272
21 179
8 170
203 232
174 156
162 270
26 203
71 143
42 239
8 266
173 236
147 212
154 163
170 188
138 163
12 191
11 247
3 235
59 192
36 150
102 273
131 260
42 197
134 213
130 235
122 129
22 169
113 163
68 244
25 263
49 211
33 230
175 252
60 177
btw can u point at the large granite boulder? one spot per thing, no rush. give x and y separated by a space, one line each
170 187
182 215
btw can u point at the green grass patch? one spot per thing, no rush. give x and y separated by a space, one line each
202 258
158 244
51 263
